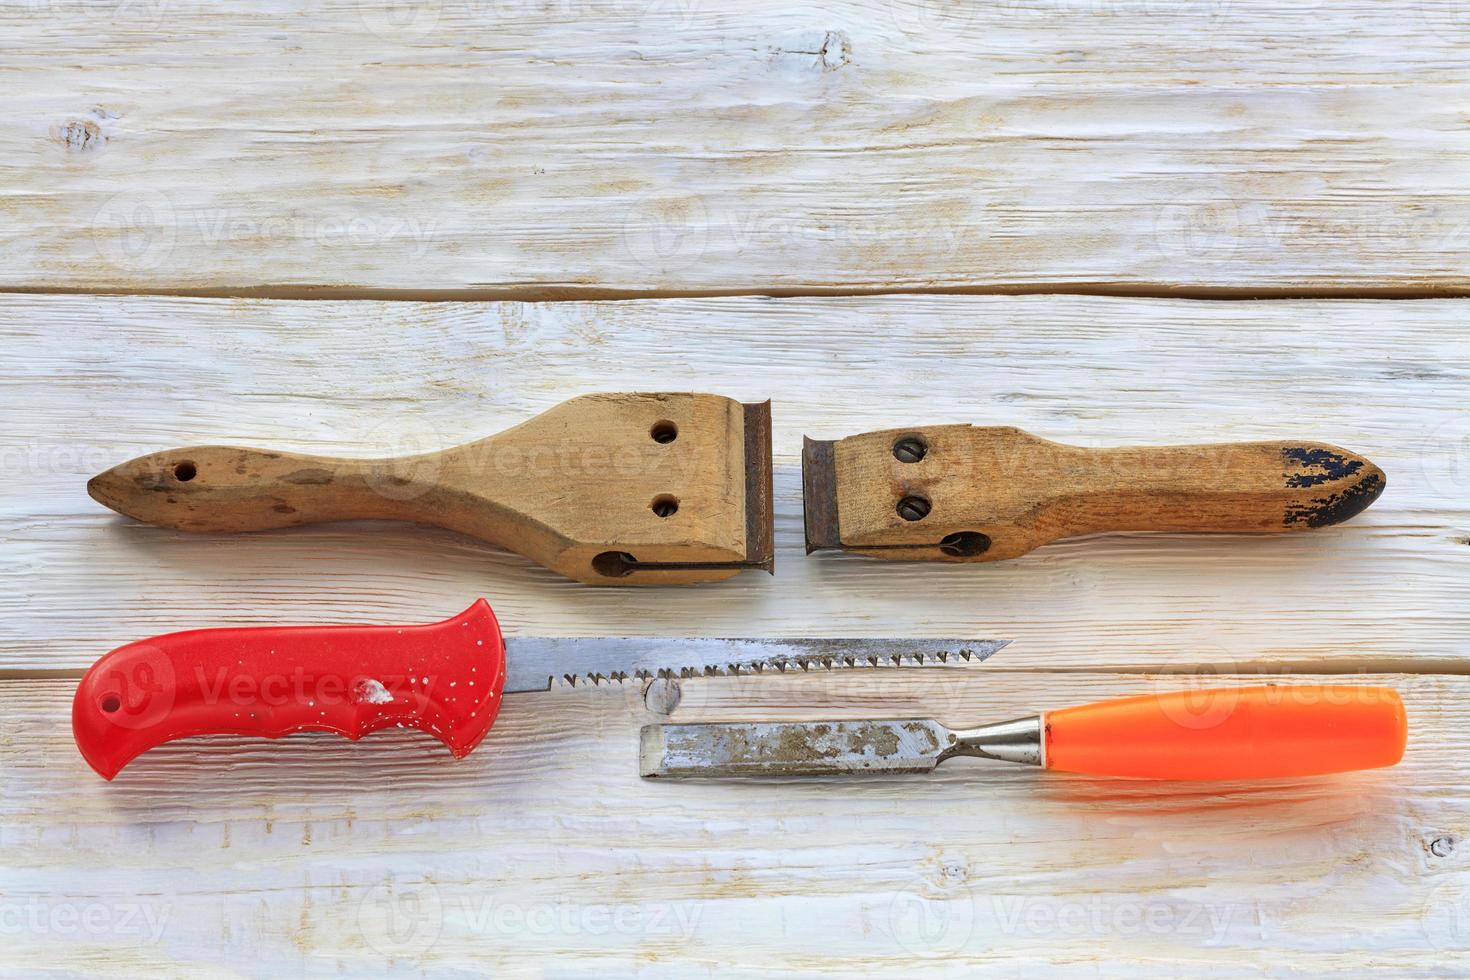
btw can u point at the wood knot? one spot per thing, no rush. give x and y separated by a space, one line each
832 52
836 51
80 136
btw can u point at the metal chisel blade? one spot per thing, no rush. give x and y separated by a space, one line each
800 749
536 663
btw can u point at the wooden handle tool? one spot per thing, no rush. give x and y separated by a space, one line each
607 489
966 493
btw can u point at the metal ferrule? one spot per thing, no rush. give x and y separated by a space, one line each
1010 741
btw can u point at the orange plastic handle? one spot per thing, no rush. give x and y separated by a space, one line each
1231 733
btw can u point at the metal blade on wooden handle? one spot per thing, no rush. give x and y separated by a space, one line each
618 488
961 493
536 663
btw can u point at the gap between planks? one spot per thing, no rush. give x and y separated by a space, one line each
569 294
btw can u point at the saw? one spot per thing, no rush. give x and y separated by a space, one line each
1231 733
447 678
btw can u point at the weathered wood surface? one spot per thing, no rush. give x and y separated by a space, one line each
529 150
543 851
95 381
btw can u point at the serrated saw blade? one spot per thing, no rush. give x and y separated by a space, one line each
538 663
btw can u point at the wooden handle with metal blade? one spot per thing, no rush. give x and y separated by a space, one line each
612 489
966 493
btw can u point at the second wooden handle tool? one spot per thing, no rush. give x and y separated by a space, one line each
968 493
612 489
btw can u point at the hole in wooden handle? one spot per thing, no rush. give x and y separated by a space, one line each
965 544
614 564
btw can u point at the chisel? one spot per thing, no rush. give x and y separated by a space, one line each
444 678
1230 733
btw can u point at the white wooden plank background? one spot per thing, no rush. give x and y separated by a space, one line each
543 852
508 148
504 150
100 380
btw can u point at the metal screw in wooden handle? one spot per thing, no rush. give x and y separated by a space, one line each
608 489
968 493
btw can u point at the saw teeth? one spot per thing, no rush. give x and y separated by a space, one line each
782 665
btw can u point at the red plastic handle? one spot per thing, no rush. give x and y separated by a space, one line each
1231 733
444 678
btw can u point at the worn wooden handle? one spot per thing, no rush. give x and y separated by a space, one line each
964 493
231 488
624 489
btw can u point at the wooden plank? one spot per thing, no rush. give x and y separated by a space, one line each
313 855
228 857
529 150
87 382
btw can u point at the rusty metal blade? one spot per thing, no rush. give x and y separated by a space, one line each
801 749
819 495
760 517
